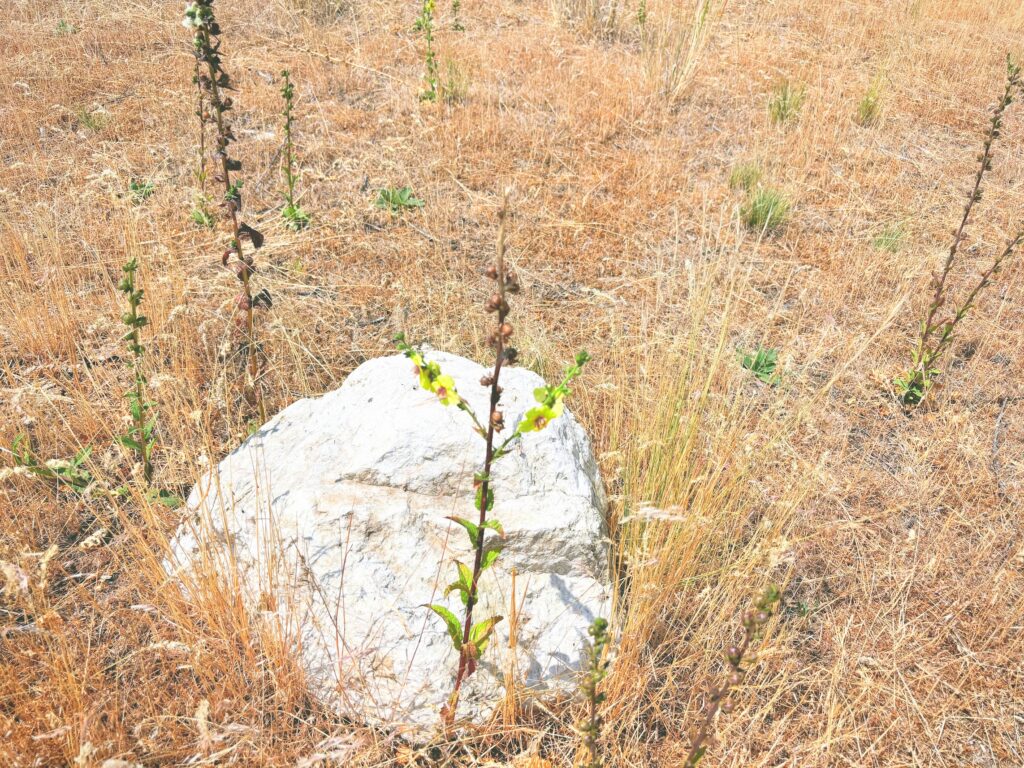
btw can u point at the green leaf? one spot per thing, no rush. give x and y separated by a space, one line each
490 556
471 528
465 574
495 526
480 633
463 591
128 442
165 497
490 498
454 629
697 756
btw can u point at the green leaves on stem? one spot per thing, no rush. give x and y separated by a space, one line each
596 671
70 473
139 438
294 217
425 24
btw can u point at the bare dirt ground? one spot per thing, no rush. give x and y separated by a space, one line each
898 538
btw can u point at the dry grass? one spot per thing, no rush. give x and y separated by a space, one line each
899 540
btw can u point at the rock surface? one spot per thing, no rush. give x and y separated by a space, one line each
334 516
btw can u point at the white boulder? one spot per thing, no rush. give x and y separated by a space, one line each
334 514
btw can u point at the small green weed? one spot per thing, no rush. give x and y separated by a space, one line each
425 24
201 217
140 190
762 363
745 176
765 211
70 473
140 438
455 85
91 120
890 239
65 28
785 102
397 199
869 108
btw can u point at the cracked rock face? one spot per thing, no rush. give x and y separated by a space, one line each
334 516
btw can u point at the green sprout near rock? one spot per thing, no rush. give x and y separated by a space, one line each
596 671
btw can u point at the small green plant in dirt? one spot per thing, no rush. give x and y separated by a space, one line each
140 190
425 24
890 239
595 672
455 84
294 217
754 619
937 329
322 11
139 438
765 210
762 362
397 199
91 120
785 102
869 108
470 638
745 176
61 473
456 19
215 83
65 28
201 214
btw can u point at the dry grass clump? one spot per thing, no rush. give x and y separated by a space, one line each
897 541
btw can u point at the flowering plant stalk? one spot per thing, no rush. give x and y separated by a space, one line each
199 16
201 214
470 639
754 620
936 334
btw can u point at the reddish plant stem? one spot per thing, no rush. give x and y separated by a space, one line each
248 342
503 309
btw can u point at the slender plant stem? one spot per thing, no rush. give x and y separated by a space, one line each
248 347
499 358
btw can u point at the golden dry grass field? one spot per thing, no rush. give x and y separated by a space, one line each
897 536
